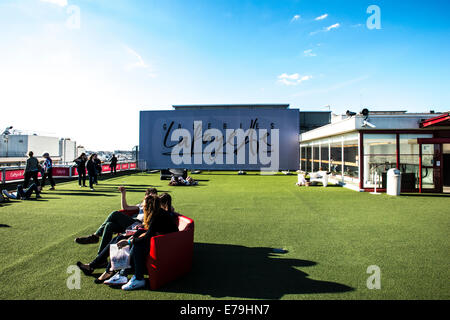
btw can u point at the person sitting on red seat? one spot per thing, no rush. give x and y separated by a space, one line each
156 221
118 221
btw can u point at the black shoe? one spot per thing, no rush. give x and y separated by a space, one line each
87 270
87 240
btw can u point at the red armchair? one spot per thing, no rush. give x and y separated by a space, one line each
170 254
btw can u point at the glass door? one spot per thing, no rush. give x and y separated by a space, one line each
431 159
427 169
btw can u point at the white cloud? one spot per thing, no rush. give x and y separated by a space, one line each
61 3
309 53
293 79
324 16
334 26
293 76
295 18
139 62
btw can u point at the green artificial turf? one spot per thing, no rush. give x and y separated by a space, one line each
332 236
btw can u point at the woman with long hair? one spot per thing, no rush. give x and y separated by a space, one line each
156 221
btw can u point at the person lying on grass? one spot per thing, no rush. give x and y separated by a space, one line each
22 193
128 217
156 221
179 181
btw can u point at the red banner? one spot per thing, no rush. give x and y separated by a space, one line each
60 172
17 174
14 175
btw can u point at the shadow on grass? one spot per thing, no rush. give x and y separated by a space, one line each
5 204
108 189
221 270
126 185
321 186
426 195
89 194
4 226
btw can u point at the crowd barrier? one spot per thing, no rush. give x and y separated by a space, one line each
15 174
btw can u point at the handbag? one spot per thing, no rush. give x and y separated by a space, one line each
120 258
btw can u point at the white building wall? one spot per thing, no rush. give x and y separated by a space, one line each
80 150
67 150
380 122
13 146
39 145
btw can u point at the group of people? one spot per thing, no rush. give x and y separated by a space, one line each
32 169
93 166
180 181
135 225
311 179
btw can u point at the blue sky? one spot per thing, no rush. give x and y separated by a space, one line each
129 55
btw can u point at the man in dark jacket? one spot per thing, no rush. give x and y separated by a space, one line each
81 168
31 170
98 168
113 164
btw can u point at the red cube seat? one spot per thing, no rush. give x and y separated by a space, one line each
170 254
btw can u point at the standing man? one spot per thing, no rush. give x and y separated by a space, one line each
48 171
92 171
31 170
81 168
113 164
98 167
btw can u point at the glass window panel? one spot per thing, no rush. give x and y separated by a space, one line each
409 145
375 169
316 158
308 159
409 159
351 158
427 155
336 157
427 178
325 159
302 158
379 144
